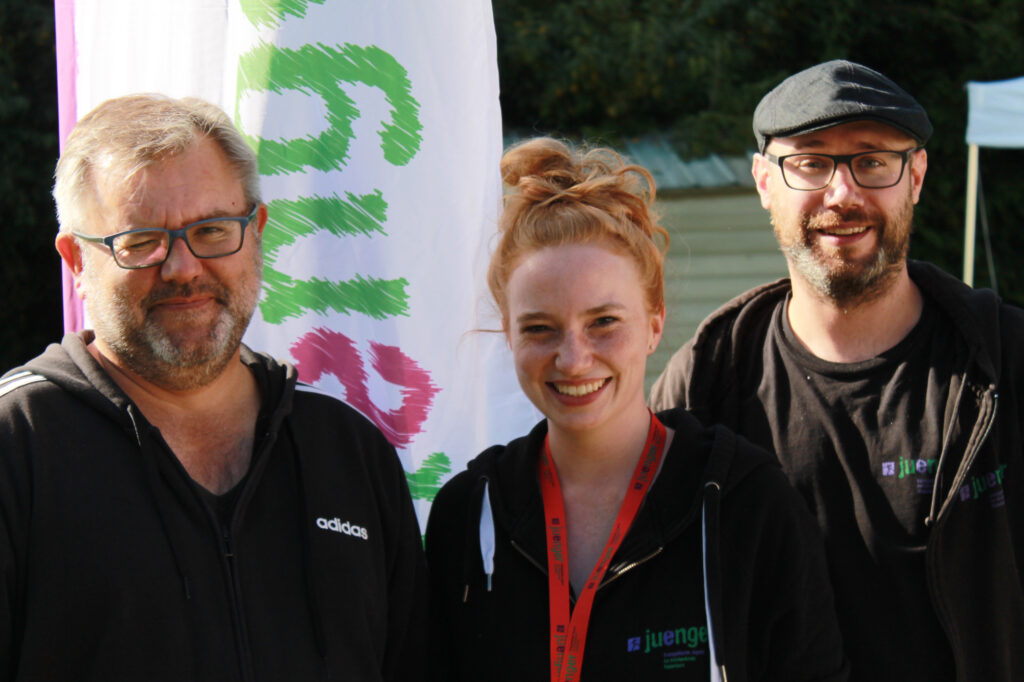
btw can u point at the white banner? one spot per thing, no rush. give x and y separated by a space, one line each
378 132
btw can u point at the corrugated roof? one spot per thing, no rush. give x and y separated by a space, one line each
654 152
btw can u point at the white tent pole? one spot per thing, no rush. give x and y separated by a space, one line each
972 213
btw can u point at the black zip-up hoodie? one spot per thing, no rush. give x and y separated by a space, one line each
112 567
766 590
974 558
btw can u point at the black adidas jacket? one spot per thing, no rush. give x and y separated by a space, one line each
112 568
771 606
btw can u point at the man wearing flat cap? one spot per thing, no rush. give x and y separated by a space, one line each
890 391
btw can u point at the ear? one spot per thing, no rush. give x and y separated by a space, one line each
71 253
918 167
261 219
657 329
761 169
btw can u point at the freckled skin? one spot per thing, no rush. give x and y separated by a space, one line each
577 316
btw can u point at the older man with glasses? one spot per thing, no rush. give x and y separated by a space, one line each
890 392
174 506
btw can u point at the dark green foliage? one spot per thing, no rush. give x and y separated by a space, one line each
608 68
30 316
605 69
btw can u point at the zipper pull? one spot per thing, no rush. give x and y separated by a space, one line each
226 536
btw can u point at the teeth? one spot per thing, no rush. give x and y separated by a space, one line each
577 390
843 231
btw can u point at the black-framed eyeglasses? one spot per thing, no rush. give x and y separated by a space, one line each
872 170
147 247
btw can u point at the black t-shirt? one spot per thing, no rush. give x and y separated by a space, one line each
222 506
861 442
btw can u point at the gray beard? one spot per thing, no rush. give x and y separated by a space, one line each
153 354
149 351
850 285
847 288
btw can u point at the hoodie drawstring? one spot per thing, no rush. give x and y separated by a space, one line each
487 542
481 528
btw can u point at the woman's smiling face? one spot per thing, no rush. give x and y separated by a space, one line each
580 332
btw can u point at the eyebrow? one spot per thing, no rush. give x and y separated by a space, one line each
219 213
605 308
596 310
817 144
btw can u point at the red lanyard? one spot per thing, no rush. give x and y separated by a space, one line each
569 633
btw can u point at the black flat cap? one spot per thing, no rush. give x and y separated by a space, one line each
833 93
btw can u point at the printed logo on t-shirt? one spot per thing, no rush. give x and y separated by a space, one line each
989 485
921 471
681 646
338 526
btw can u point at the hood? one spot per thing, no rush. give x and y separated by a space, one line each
973 312
697 457
277 382
699 470
70 366
713 382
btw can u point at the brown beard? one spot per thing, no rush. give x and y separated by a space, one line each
849 284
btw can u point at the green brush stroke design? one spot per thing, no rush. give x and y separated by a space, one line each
426 481
291 219
272 12
318 69
288 297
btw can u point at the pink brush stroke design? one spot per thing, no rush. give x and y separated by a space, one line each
67 114
323 351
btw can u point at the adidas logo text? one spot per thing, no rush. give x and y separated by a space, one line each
337 526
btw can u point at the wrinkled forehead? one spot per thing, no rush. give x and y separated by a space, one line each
118 188
846 138
185 186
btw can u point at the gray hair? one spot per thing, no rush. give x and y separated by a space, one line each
127 134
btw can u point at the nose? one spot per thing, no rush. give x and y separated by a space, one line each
181 265
573 356
843 190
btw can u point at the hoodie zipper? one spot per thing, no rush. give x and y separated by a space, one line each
245 654
234 596
630 566
529 558
234 591
619 572
942 610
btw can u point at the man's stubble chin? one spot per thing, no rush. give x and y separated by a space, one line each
169 359
848 283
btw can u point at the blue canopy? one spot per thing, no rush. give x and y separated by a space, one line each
995 113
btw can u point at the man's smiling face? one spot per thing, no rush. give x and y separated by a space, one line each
179 323
846 241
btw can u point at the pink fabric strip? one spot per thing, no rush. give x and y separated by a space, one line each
67 112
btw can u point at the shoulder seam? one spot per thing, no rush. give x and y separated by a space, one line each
309 388
301 387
